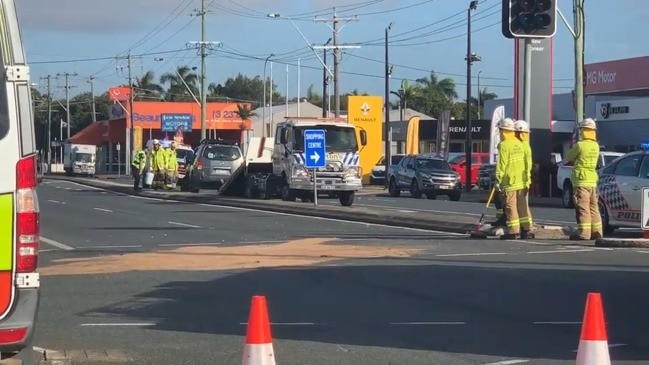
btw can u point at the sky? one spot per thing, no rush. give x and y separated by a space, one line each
92 38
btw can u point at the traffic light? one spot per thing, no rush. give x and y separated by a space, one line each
529 18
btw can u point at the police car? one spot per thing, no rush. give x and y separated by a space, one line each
620 190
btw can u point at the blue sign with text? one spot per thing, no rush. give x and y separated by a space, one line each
171 122
315 150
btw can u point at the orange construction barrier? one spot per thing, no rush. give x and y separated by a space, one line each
259 343
593 344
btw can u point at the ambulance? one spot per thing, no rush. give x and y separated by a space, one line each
19 210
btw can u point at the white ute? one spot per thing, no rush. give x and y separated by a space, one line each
565 170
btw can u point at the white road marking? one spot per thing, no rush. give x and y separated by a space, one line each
183 224
103 210
117 324
560 251
54 201
285 323
556 323
425 323
56 244
508 362
640 251
107 246
406 211
472 254
47 250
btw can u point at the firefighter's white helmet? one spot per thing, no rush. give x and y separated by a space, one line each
506 124
588 123
522 126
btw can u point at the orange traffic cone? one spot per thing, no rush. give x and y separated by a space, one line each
593 344
259 343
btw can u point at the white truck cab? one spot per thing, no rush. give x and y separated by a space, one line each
342 175
19 209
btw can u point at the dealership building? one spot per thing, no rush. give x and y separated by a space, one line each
160 120
617 96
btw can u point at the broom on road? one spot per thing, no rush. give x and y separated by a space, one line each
477 233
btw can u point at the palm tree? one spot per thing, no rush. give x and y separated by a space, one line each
408 94
179 82
478 102
244 112
146 88
437 95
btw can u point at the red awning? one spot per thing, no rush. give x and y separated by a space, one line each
93 134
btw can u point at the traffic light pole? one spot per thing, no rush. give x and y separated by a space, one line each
578 10
527 106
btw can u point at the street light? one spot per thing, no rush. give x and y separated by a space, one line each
386 127
325 81
479 97
470 58
263 110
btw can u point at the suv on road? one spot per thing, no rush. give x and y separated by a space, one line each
19 211
424 174
213 163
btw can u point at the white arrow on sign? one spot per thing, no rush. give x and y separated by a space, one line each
315 157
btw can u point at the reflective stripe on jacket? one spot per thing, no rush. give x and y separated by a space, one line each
510 168
585 155
139 160
158 160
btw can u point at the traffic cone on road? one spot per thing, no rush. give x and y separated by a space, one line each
259 343
593 343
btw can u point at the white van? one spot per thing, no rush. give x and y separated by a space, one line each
19 210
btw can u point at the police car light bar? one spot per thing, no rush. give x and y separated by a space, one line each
645 146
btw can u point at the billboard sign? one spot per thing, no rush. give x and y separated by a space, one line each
172 122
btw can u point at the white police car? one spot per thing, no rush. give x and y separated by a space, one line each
620 190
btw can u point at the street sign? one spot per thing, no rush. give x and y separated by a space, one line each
315 151
171 122
645 209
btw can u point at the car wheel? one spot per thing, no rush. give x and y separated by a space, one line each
455 196
414 189
566 199
606 226
347 198
393 189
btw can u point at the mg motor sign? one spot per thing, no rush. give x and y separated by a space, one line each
617 76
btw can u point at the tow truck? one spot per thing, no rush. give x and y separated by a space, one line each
275 167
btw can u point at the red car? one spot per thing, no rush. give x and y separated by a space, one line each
477 159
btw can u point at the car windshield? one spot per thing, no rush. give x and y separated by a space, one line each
396 159
84 157
221 153
430 164
184 154
338 139
456 159
608 159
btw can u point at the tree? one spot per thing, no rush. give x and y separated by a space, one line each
181 84
249 89
478 103
244 112
146 89
435 95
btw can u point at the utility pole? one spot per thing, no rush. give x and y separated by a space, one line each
67 88
578 12
203 47
325 80
92 96
128 152
49 122
337 47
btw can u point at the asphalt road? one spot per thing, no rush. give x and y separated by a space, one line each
134 287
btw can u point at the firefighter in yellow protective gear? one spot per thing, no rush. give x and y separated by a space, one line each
172 166
523 135
585 155
137 168
158 165
510 180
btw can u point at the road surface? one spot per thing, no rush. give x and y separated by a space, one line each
160 282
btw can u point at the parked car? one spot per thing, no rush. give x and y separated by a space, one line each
424 175
477 160
564 171
486 176
620 188
377 176
213 162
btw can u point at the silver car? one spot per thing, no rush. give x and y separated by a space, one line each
213 163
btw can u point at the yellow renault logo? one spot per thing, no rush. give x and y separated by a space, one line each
365 108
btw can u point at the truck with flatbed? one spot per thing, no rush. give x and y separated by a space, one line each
276 167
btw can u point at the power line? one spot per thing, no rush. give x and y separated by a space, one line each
95 59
